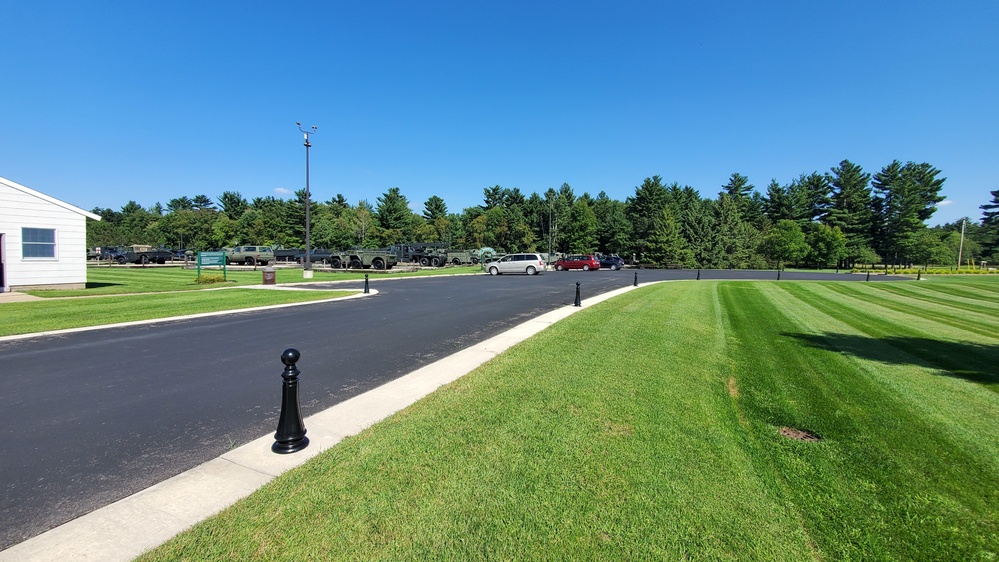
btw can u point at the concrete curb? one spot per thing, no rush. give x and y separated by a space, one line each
146 519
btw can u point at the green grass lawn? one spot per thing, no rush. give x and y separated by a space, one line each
58 314
173 292
122 280
655 436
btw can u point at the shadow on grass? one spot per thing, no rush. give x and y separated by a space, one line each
970 361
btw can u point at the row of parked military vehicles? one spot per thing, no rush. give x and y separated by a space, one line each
137 253
429 254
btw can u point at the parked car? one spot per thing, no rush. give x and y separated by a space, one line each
102 253
530 264
140 253
586 262
612 262
249 255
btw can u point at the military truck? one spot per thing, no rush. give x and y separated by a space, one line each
286 254
319 255
142 254
365 258
458 257
424 253
249 255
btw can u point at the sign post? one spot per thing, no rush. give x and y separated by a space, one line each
210 259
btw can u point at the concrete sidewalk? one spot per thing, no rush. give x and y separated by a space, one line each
14 296
133 525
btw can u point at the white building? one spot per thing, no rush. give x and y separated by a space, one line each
43 241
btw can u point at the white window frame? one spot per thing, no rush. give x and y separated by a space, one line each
54 244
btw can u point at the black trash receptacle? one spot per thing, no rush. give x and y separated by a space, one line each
270 278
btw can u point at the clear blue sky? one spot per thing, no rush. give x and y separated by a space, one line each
106 102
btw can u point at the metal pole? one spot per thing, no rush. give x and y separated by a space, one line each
960 250
308 219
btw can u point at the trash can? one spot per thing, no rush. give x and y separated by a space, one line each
269 277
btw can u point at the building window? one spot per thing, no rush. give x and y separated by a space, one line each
38 243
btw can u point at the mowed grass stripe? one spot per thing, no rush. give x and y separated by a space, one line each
923 292
971 287
973 321
61 314
944 396
959 353
883 484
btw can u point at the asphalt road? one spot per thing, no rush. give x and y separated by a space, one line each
91 417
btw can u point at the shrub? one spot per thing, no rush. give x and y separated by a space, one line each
209 279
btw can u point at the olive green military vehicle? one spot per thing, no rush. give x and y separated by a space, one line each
249 255
363 259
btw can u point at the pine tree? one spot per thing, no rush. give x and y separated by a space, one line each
582 228
990 227
644 208
904 197
851 207
233 204
434 208
666 244
392 210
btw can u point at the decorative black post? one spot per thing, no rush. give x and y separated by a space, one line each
778 275
366 284
636 278
290 436
578 302
868 275
698 274
918 275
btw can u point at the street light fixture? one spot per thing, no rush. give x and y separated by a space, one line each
307 265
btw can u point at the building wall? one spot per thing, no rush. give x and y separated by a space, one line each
69 267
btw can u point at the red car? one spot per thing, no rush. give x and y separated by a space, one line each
585 262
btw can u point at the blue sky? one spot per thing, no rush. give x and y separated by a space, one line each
106 102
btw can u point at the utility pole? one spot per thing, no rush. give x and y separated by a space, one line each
960 249
307 265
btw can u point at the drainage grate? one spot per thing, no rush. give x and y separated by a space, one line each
799 434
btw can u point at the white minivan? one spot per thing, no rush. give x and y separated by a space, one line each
530 264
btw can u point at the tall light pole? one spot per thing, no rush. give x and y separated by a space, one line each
308 242
960 249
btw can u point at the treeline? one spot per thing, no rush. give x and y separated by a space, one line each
842 217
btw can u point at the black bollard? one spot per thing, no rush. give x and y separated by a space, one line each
698 274
290 436
919 275
868 275
778 275
636 278
366 284
578 302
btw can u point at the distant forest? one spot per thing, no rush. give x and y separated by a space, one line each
839 218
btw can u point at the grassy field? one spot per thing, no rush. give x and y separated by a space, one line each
172 291
656 436
59 314
121 280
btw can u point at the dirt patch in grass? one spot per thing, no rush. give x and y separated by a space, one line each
800 434
733 389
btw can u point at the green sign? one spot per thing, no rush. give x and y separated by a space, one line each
211 258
